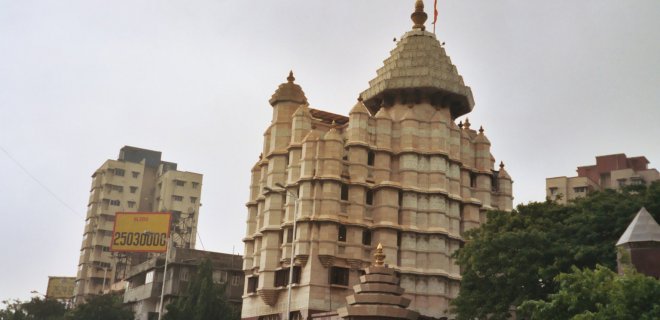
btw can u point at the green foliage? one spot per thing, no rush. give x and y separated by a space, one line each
44 309
516 256
12 310
203 299
35 309
598 294
102 307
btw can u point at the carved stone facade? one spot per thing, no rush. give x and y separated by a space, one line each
398 170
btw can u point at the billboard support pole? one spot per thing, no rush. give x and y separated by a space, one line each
162 290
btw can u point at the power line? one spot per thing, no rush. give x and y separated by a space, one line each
40 183
200 240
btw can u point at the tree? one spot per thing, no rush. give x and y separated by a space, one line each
35 309
44 309
12 310
101 307
598 294
202 300
516 256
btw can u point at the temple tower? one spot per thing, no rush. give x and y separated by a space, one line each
398 171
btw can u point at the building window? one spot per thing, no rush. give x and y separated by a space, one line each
366 237
473 180
344 192
219 276
134 189
119 172
105 249
580 189
176 215
369 198
282 277
116 188
177 198
115 202
135 174
289 235
235 280
252 284
553 191
131 204
195 185
179 183
184 275
370 158
341 236
339 276
494 183
637 182
193 200
622 182
149 277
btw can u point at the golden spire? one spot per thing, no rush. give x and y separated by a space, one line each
501 165
290 78
467 124
379 256
481 129
419 16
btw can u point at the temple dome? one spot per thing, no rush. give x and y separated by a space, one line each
419 63
288 92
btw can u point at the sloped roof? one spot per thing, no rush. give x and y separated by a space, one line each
642 229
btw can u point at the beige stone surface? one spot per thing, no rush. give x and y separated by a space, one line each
399 170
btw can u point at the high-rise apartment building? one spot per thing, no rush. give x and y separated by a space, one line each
612 171
138 181
398 171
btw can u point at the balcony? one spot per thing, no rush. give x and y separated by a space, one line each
143 292
106 225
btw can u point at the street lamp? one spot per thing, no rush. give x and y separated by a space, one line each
293 241
35 292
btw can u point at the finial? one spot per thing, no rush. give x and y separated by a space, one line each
460 124
419 16
379 256
290 78
334 124
360 98
467 123
501 165
481 129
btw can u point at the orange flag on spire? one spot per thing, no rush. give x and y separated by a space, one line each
435 14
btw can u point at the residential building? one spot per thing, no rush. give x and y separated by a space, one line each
138 181
399 170
612 171
145 281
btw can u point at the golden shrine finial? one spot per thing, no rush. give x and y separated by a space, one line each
379 256
290 78
419 16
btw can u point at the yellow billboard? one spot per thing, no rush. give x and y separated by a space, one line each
60 287
140 232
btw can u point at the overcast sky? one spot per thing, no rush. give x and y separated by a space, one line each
555 83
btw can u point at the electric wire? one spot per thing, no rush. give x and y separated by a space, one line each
40 183
200 240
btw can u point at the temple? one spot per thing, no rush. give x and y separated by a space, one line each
400 171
